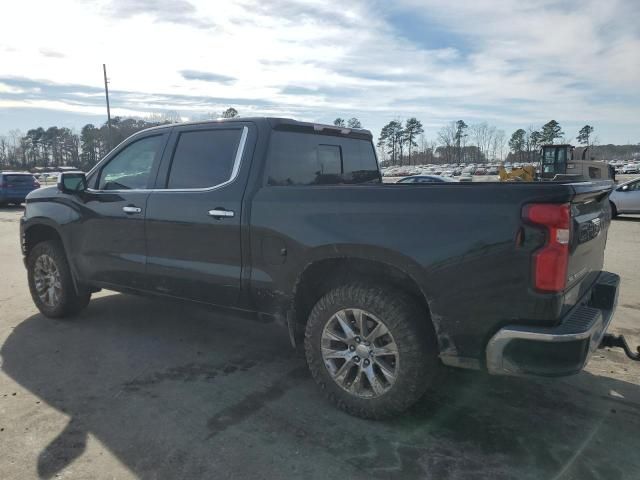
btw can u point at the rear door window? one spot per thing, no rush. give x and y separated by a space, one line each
296 158
204 158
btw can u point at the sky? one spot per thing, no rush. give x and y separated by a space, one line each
510 63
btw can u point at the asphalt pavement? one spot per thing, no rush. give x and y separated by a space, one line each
148 388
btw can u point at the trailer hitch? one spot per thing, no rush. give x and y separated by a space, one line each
611 340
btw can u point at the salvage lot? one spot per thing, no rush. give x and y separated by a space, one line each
147 388
621 178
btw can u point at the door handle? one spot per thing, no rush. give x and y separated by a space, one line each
131 209
221 213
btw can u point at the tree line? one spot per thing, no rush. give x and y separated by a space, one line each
399 143
525 144
404 143
60 146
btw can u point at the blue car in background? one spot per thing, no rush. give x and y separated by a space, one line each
15 186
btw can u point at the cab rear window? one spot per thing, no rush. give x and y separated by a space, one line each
296 158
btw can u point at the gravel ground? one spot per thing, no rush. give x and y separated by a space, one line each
147 388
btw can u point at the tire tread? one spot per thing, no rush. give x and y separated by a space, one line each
400 313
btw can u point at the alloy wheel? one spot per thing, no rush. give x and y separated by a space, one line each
360 353
46 278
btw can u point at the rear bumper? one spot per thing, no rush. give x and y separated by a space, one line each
561 350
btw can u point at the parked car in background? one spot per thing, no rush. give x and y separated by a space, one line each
480 171
426 179
15 186
626 198
631 168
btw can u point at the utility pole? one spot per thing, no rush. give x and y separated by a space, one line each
106 93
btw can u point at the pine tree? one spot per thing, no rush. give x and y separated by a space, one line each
517 142
551 131
584 135
412 128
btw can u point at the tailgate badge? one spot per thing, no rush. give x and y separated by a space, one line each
590 230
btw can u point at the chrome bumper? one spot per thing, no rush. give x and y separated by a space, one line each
561 350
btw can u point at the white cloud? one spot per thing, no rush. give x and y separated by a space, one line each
510 62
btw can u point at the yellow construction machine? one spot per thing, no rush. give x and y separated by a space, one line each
558 163
522 174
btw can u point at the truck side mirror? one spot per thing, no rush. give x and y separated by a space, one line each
72 182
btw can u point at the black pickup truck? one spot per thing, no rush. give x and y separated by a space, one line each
381 283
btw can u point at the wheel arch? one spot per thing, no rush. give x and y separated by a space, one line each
38 233
42 231
323 274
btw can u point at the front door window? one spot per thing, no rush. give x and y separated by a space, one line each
130 169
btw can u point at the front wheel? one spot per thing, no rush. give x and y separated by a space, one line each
371 349
50 282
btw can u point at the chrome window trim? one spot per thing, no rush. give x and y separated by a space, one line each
234 174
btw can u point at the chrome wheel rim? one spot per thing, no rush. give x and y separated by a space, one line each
46 278
360 353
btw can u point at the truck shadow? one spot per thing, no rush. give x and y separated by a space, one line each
176 391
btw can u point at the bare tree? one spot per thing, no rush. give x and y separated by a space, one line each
447 138
483 136
498 143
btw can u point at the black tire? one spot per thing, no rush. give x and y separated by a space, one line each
411 329
614 210
69 302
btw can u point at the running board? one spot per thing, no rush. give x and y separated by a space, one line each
611 340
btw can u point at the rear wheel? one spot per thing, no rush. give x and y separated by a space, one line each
50 282
372 350
614 210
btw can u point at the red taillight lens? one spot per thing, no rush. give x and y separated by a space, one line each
550 262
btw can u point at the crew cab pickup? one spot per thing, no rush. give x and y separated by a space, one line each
381 283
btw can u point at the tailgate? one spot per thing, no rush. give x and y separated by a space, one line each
590 216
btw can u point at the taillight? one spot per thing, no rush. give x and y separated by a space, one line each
550 262
36 184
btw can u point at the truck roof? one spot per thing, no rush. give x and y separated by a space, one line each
278 123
